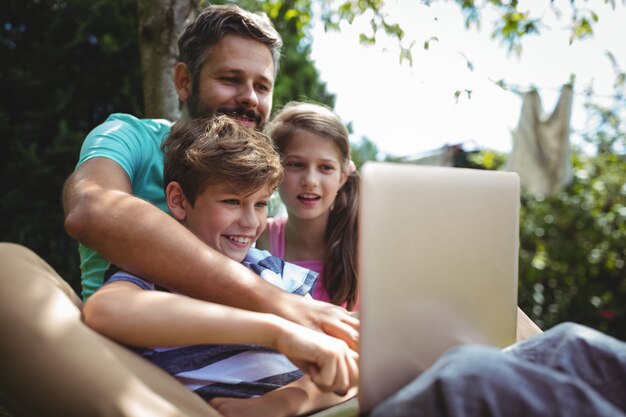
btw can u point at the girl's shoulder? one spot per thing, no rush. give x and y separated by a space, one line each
276 223
273 237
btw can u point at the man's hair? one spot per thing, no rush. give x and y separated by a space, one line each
219 151
217 21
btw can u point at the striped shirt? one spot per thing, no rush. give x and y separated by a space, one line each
240 371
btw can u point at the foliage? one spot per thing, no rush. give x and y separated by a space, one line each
606 131
333 13
572 264
65 66
513 20
298 78
363 151
488 159
573 244
573 249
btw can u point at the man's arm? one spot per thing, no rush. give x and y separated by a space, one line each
102 213
300 397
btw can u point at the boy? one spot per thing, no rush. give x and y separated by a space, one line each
219 176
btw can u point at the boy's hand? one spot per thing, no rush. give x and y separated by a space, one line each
332 364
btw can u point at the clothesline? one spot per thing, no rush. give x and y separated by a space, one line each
517 89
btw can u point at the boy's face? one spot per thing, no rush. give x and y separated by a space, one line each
225 219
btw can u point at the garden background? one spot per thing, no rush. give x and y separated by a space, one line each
66 65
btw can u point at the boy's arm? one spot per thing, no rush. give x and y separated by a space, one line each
297 398
133 316
102 213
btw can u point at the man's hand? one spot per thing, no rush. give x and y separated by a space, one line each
327 318
333 366
338 322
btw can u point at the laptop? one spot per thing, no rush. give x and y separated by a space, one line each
438 256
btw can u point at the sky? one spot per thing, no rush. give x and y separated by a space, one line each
411 110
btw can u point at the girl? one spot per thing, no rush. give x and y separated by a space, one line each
321 193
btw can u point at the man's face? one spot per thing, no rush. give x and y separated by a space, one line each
237 79
227 220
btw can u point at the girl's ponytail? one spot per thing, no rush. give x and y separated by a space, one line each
340 261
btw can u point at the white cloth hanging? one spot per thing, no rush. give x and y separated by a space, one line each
541 148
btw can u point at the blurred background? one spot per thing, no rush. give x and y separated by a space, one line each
451 83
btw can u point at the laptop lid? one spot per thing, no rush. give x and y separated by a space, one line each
438 256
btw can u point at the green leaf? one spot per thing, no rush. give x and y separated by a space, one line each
367 40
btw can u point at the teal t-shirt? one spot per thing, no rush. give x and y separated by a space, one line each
135 144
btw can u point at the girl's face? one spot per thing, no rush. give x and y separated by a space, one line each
314 172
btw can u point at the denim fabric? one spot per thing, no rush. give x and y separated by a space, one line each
570 370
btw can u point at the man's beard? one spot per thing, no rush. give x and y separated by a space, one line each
196 110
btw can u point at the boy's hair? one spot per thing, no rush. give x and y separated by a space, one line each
340 267
217 21
219 151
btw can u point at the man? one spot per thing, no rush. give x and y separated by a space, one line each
228 61
570 370
53 364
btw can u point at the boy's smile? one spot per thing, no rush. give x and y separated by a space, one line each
226 220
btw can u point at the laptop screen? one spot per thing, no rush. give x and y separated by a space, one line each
438 256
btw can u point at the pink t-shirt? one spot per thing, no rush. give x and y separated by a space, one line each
276 233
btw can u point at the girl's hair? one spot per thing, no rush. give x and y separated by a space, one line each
340 268
219 151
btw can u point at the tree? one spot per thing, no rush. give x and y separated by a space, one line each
363 151
160 24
